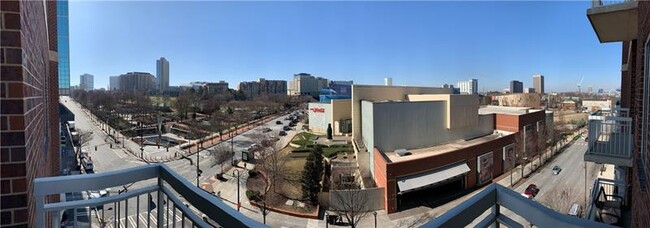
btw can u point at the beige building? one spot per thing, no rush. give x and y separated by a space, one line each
594 105
306 84
379 93
532 100
538 83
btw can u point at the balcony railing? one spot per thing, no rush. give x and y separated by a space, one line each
610 140
597 3
493 198
609 202
172 201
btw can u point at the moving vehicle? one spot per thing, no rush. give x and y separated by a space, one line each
282 133
286 128
531 191
71 125
556 170
278 122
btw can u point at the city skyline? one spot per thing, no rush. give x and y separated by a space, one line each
354 41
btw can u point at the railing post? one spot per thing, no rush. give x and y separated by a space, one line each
496 210
160 201
40 211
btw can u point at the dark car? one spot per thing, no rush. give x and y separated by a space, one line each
531 191
292 124
282 133
286 128
278 122
556 170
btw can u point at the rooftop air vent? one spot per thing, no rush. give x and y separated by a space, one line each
402 152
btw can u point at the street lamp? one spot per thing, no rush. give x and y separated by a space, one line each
375 214
327 220
198 171
238 175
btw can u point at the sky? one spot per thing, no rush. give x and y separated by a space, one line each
415 43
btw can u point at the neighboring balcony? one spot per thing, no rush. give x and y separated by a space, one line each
157 197
486 208
609 203
614 21
610 139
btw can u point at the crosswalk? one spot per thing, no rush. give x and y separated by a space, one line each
146 219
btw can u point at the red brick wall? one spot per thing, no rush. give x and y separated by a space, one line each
27 116
380 176
640 199
411 167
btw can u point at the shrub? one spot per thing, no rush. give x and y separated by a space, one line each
301 150
252 195
252 173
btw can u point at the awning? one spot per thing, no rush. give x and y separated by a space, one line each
415 182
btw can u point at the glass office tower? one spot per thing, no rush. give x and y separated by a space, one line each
63 47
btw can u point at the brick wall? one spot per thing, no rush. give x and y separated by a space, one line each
393 171
27 117
640 199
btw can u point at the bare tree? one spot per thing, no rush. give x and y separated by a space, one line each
270 160
182 104
261 197
353 204
520 152
220 154
84 138
561 199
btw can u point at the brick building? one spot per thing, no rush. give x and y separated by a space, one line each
29 105
137 81
629 22
263 87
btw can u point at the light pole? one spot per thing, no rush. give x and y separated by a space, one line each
375 214
233 173
198 171
327 221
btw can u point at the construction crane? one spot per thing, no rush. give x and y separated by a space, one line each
580 83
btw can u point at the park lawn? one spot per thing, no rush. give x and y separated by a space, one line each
303 139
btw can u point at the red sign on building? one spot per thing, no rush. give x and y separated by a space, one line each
320 110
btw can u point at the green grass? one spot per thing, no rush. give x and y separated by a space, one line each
303 140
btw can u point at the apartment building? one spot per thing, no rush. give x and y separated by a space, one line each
87 82
625 127
29 99
137 81
263 87
306 84
468 87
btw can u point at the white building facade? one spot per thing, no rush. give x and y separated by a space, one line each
468 87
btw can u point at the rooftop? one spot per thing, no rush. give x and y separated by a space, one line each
445 148
490 109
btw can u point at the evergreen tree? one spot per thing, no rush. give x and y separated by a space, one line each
329 131
311 174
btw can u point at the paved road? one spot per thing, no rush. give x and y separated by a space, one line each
570 179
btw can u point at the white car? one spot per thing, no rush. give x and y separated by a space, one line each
556 170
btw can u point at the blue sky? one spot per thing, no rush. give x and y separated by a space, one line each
416 43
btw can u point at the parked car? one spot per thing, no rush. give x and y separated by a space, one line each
575 210
282 133
292 124
278 122
556 170
286 128
254 147
531 191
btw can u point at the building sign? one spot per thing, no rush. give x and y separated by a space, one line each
484 168
318 110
